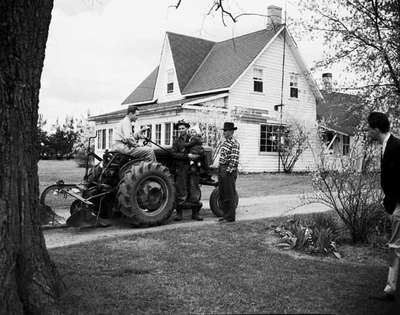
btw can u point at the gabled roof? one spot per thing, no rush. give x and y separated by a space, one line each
227 60
145 91
340 111
188 53
202 65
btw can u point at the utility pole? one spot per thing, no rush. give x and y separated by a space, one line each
280 106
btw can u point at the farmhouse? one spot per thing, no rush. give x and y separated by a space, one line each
338 115
258 80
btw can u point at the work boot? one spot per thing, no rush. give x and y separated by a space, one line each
179 214
195 212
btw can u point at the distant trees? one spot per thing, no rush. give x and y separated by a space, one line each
65 140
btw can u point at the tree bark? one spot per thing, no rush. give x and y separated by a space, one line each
29 281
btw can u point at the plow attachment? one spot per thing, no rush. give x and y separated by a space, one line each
63 205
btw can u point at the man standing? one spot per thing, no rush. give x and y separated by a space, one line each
125 141
379 127
228 164
187 189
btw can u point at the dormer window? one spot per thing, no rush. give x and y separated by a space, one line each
258 80
294 85
170 81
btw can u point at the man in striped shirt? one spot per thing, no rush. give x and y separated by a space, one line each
228 164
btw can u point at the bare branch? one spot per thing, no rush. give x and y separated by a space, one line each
176 6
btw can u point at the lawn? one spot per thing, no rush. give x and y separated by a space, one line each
230 268
248 185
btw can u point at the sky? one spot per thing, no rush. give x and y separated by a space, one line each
98 51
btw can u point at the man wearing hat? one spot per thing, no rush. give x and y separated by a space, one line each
228 164
126 141
187 190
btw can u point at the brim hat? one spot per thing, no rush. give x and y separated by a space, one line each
181 123
229 126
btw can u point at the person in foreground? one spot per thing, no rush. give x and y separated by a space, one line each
126 141
379 130
228 164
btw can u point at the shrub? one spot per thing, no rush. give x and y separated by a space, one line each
314 234
350 186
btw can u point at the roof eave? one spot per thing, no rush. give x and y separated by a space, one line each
208 91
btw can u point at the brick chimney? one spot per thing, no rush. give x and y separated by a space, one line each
274 15
327 81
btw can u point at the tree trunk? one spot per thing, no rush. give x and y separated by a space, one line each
29 281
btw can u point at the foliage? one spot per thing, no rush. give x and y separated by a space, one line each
363 38
363 34
316 234
65 140
43 137
295 141
62 141
350 186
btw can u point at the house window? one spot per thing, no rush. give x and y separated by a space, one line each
170 81
294 82
269 135
158 133
167 140
98 139
103 138
258 80
346 145
110 137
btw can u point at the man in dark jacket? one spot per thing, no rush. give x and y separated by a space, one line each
379 130
187 189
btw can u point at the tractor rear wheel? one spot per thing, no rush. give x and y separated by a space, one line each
146 194
216 204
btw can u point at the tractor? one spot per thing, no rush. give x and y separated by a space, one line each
140 192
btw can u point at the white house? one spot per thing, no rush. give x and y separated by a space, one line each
237 80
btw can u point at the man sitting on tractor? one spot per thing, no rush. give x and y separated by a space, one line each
126 141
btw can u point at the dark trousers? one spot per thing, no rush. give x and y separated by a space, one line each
227 191
187 186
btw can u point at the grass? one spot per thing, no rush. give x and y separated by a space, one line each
214 269
248 185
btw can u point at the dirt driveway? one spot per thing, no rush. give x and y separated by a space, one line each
250 208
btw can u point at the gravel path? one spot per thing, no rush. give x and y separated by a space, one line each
249 209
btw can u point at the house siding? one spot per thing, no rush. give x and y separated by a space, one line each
303 108
166 63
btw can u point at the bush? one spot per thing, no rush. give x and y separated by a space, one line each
350 185
315 234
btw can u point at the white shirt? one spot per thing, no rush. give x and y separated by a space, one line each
384 143
123 131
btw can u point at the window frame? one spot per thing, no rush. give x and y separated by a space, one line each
258 80
168 133
110 137
265 143
157 133
170 81
294 85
